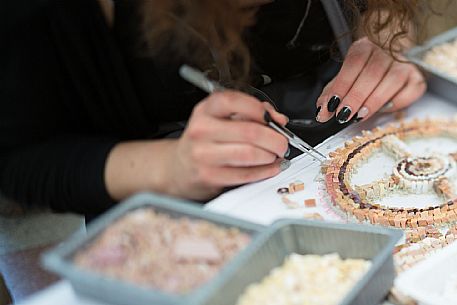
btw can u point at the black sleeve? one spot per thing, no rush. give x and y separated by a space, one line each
63 174
54 140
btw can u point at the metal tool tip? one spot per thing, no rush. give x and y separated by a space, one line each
185 70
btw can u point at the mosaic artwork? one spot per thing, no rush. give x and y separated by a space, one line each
412 173
402 175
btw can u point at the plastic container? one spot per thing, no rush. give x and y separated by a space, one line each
115 291
309 237
265 251
438 81
426 281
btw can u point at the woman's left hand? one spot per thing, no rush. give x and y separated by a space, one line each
370 79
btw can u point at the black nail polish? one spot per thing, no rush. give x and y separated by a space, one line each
318 110
357 119
333 103
344 115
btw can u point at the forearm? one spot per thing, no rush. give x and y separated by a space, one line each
139 166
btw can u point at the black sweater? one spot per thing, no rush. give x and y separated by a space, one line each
71 88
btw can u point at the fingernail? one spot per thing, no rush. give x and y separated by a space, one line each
267 117
363 112
387 106
318 110
318 114
284 165
344 115
333 103
268 106
287 152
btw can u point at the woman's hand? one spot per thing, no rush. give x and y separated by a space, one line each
226 143
370 79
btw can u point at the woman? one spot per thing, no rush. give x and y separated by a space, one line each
91 90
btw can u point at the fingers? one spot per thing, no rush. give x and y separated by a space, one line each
403 85
392 83
227 131
230 176
227 142
237 105
234 117
414 89
369 78
355 61
232 155
277 117
322 113
227 104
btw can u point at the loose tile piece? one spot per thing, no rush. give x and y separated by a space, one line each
313 216
289 203
299 186
310 203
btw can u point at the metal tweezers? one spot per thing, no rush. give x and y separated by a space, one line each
199 79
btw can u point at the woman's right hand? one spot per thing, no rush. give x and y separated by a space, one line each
226 143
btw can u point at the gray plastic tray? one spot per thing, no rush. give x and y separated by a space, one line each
266 251
438 81
113 291
310 237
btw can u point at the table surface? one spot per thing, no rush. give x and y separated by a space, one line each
62 293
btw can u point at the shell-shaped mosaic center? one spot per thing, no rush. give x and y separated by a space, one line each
420 174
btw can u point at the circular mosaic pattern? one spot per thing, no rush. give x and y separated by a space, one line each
420 174
417 174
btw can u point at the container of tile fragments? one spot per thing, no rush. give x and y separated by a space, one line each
152 250
438 57
308 263
434 280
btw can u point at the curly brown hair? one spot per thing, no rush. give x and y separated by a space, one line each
209 33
